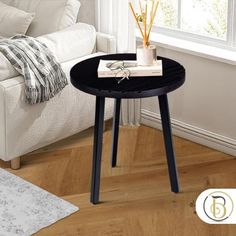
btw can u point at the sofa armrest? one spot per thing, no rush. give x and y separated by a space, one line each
106 43
2 123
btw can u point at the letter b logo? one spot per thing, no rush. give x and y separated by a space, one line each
218 206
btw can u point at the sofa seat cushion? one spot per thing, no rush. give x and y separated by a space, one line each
73 42
50 15
13 21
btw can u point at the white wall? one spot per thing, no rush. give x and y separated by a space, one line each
87 11
204 109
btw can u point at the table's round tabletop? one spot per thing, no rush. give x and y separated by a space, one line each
84 77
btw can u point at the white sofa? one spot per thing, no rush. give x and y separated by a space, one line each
25 128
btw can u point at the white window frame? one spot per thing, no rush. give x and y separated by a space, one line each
234 22
229 43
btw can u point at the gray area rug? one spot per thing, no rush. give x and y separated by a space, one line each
26 208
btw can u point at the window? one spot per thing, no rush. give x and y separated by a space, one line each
204 20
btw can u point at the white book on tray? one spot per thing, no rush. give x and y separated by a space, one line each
134 69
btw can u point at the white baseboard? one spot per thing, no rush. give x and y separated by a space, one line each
193 133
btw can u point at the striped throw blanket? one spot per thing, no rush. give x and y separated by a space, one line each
43 76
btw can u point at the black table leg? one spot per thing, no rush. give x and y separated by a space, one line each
166 125
115 132
97 149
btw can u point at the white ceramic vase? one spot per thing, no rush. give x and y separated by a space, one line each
146 56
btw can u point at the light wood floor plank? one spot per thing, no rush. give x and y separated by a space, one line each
136 197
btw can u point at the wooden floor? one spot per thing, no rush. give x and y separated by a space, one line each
136 197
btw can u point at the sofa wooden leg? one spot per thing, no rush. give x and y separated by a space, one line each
15 163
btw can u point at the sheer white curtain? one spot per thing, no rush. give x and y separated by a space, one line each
114 17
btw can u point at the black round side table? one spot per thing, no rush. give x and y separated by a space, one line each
84 77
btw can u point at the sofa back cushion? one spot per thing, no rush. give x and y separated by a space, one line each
7 71
50 15
73 42
13 21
